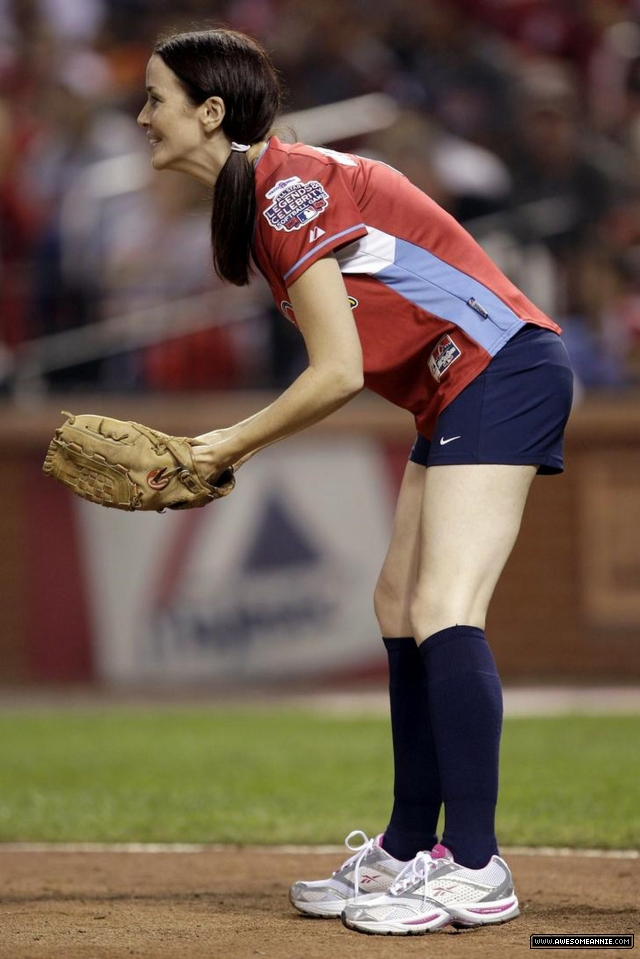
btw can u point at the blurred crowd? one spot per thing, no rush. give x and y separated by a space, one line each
521 117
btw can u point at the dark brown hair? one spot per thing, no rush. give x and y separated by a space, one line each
237 69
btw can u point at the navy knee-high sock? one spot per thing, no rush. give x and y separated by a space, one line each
465 700
417 799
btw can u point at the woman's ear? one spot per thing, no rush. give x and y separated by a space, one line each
212 113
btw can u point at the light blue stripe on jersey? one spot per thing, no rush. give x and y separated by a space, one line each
319 246
441 289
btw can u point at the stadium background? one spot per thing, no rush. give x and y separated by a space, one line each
156 672
522 117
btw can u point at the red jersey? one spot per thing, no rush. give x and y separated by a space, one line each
430 306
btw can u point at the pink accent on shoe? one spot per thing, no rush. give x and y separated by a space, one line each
488 910
421 922
441 852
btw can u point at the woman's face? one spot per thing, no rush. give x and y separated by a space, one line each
170 121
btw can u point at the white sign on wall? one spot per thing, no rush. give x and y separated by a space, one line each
274 581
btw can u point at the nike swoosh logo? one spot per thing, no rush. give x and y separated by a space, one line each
443 441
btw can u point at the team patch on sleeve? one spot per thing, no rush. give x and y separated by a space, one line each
294 203
443 355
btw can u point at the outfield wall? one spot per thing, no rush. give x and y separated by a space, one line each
275 582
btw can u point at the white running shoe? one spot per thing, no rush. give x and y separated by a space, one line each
432 892
370 870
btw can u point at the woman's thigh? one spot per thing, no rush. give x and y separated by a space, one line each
470 519
397 581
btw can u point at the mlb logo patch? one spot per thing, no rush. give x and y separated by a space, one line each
444 354
295 203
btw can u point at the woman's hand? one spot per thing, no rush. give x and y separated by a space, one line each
212 454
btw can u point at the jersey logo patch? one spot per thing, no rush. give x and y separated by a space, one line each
315 234
295 203
444 354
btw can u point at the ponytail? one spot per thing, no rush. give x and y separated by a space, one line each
232 216
237 69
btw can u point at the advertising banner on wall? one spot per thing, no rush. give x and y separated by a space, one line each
274 581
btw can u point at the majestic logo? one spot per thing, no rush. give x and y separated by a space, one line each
157 479
295 203
444 354
315 234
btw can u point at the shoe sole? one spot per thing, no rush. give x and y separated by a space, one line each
465 919
399 929
315 911
326 910
478 915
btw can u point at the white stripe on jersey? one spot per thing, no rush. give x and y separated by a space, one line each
370 254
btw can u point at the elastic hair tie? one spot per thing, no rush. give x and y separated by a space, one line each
240 147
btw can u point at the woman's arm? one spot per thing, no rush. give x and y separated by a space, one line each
333 377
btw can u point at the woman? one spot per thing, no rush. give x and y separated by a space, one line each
389 292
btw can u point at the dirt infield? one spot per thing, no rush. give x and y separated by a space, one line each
232 904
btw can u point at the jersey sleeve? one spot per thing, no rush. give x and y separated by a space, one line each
303 215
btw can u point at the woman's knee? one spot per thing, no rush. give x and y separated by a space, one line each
429 613
421 609
391 605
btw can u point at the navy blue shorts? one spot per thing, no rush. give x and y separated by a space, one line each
514 412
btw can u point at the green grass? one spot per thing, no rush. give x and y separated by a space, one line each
273 776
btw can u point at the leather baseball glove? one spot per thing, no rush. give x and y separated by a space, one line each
129 466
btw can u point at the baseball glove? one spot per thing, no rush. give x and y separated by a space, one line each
129 466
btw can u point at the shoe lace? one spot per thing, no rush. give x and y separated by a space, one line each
359 851
415 870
